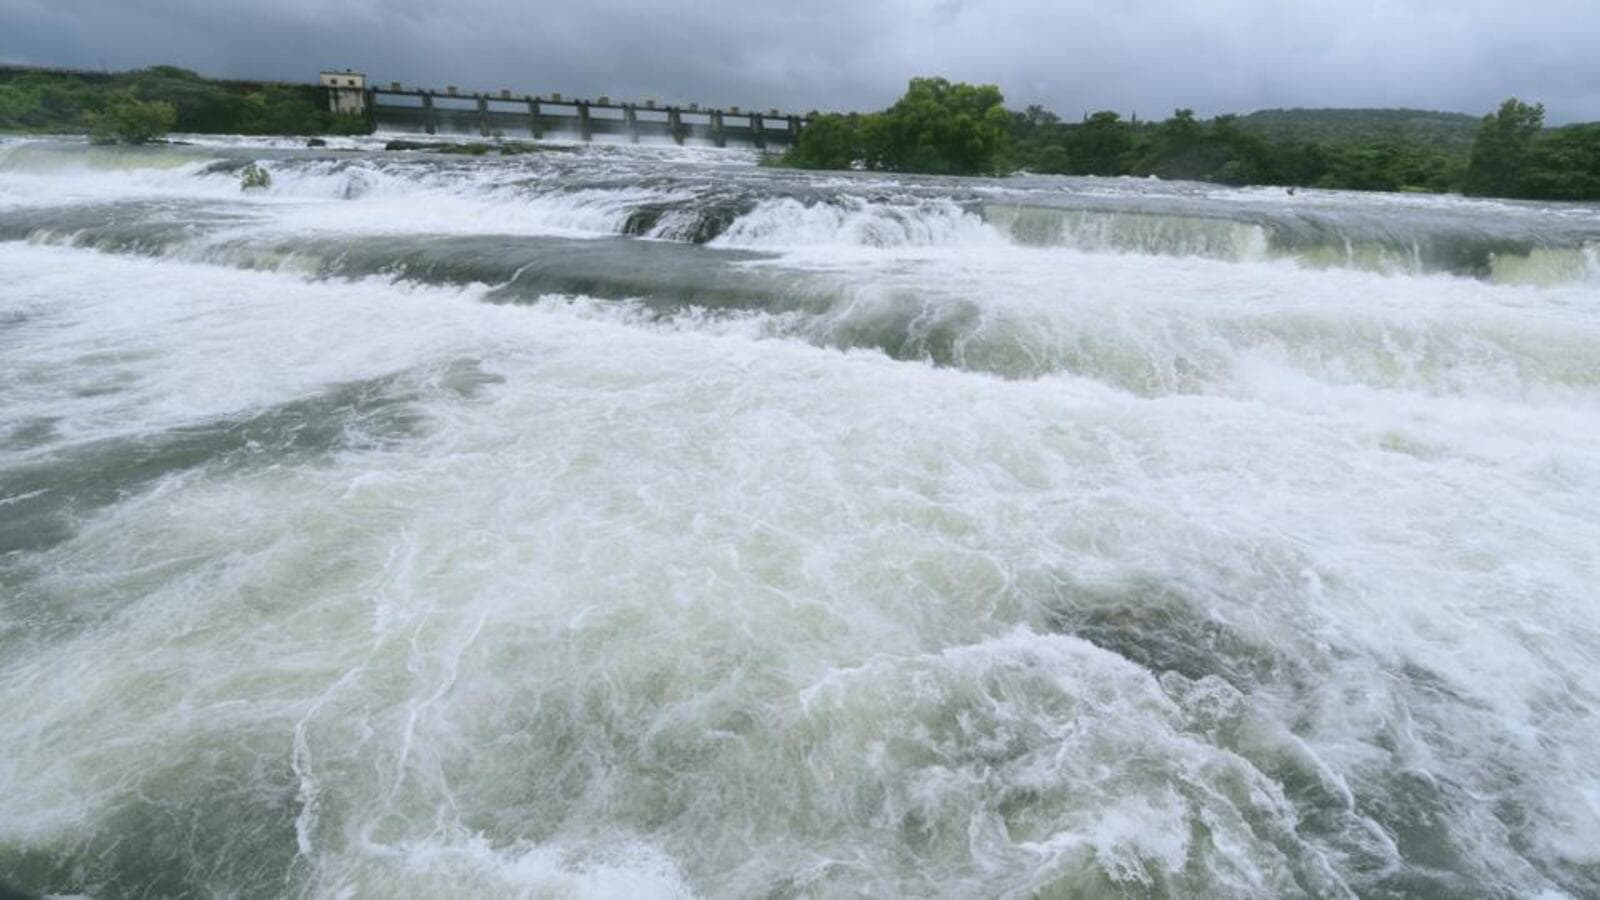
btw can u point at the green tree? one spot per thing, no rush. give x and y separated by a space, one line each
1181 129
202 106
1100 145
1052 159
1032 120
827 142
1181 147
54 101
1501 148
1564 164
130 120
940 128
281 110
39 100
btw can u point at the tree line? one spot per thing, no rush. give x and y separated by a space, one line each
144 104
939 127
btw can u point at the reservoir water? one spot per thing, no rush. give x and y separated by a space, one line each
643 522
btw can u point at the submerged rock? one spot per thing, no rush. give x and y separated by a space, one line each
470 148
254 177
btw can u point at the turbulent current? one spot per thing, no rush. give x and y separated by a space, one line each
642 522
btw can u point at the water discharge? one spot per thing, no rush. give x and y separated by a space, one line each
642 522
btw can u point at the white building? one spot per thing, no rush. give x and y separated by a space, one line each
347 92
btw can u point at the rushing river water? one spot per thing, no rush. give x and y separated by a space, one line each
645 523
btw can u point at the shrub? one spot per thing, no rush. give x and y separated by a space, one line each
130 120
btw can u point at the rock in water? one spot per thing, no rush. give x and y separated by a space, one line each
253 176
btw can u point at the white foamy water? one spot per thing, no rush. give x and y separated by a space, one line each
755 534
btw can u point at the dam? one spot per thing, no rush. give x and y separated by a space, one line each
505 113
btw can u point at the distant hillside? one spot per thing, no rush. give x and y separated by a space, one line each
65 100
1444 130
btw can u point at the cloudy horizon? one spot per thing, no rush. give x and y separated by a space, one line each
1145 57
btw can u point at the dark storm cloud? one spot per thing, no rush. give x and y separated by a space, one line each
1070 55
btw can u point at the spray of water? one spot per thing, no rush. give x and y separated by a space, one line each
644 525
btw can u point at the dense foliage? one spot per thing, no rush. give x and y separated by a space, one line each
1501 150
1562 164
953 129
937 127
1453 131
1225 150
130 120
74 102
829 141
1516 156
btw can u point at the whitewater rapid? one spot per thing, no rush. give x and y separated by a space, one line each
641 522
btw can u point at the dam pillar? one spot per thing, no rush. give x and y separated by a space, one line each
794 131
534 130
717 137
430 122
584 130
758 131
675 125
631 116
483 116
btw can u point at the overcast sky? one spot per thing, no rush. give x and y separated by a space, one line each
1144 56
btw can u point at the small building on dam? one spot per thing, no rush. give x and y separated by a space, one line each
347 92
